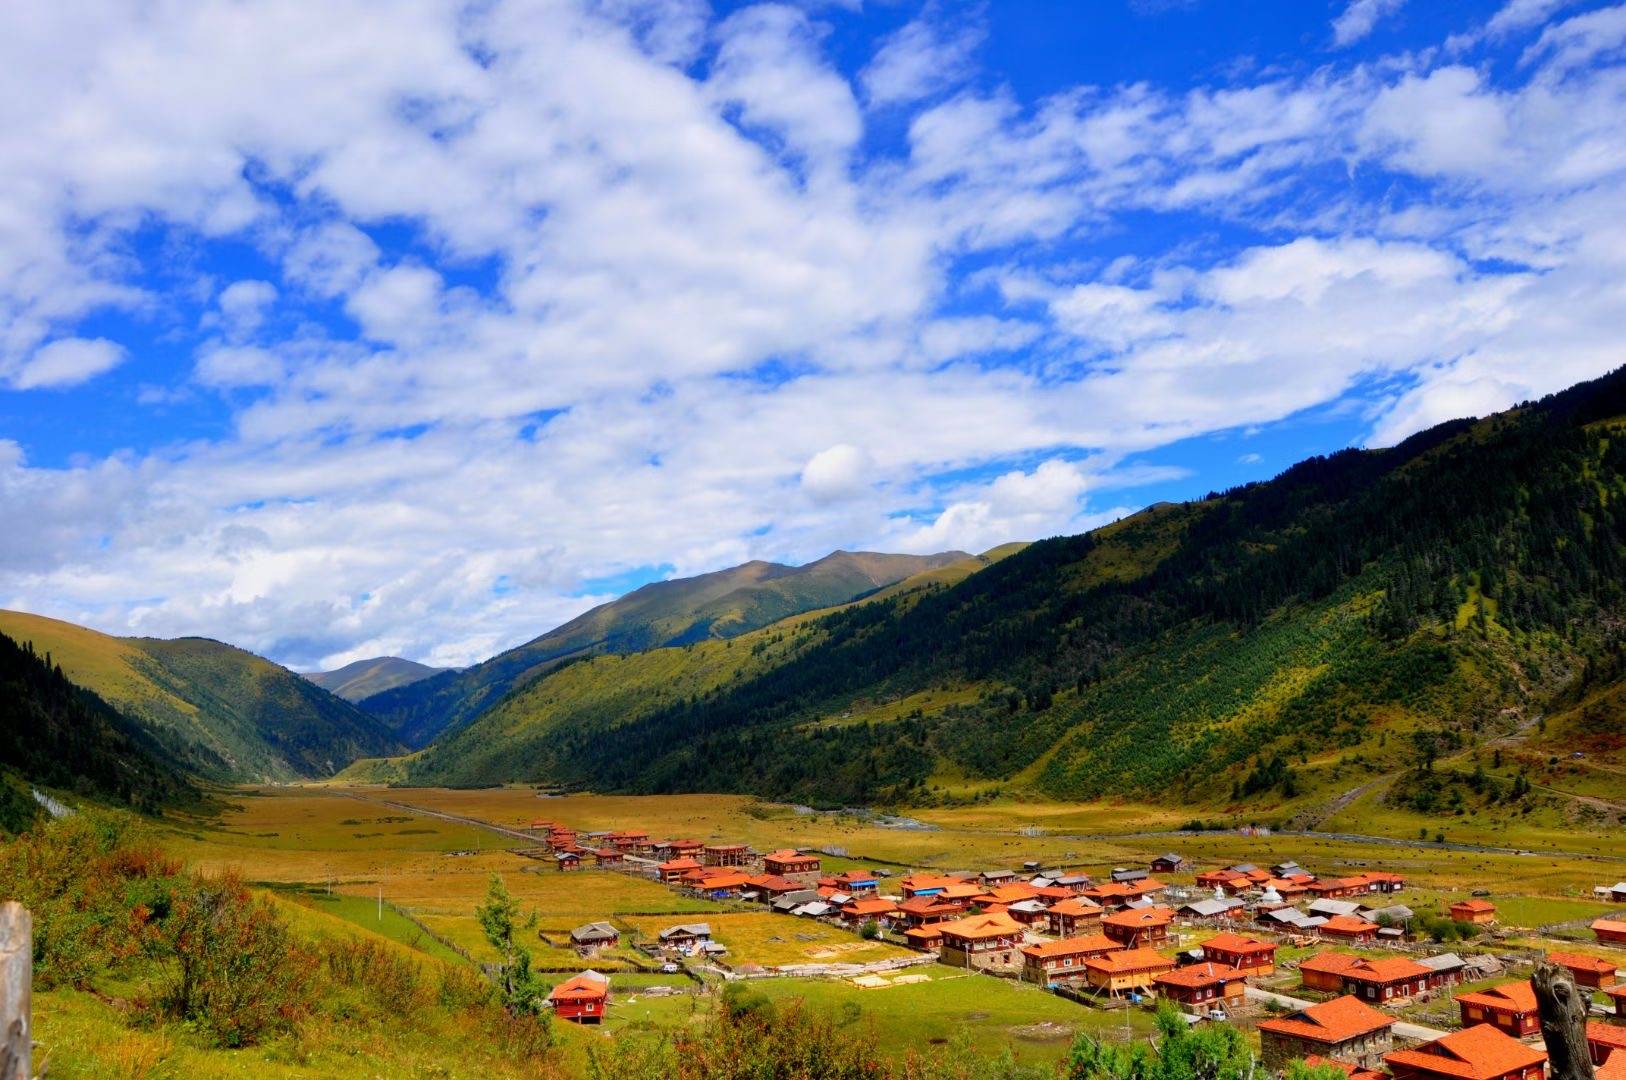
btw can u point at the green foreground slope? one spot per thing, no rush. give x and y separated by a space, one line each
215 710
708 607
1361 613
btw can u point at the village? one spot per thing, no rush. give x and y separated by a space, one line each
1334 971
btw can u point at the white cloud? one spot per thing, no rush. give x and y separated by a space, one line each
918 60
67 362
1360 18
835 473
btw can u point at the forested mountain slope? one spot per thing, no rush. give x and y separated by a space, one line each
364 678
57 735
1361 611
216 710
714 606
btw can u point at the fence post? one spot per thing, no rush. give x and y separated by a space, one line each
16 988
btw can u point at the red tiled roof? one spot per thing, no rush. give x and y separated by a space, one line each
1329 963
978 927
1074 946
1480 1052
1386 969
1582 962
1137 918
787 854
923 933
873 905
1348 924
1348 1068
1076 906
1610 1035
581 987
1195 976
1473 905
675 865
1239 943
1505 997
1611 925
1129 961
1332 1022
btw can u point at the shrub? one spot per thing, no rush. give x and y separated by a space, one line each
231 966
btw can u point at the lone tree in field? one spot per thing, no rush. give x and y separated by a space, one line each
522 993
1563 1011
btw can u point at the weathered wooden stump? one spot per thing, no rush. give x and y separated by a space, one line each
16 989
1563 1011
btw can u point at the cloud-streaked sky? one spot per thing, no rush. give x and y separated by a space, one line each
416 327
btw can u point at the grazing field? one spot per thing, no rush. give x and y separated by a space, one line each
770 940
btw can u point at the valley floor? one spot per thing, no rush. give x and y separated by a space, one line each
413 864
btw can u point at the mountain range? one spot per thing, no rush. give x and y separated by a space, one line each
1354 621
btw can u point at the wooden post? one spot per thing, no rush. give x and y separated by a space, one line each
1563 1011
16 988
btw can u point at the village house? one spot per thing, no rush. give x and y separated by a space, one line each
717 885
1213 908
1590 971
538 825
1344 1029
1617 892
605 857
1285 888
1201 987
1029 912
1617 996
1610 930
1168 863
791 864
1333 888
1329 908
996 877
635 841
1247 954
1605 1041
861 910
1070 917
926 938
925 885
1126 971
681 849
673 869
725 854
1509 1007
581 998
1229 880
1138 926
1389 978
1325 971
925 910
1446 969
1063 961
1476 1053
593 937
1124 875
1351 928
1478 912
769 887
685 938
1073 883
854 882
568 860
559 837
980 941
789 902
1385 881
1009 893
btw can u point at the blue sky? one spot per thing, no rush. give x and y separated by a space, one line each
416 328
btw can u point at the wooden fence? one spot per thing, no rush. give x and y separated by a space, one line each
16 990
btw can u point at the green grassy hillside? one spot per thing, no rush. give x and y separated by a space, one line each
715 606
364 678
216 710
1289 648
58 736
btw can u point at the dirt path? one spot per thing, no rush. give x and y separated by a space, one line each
459 819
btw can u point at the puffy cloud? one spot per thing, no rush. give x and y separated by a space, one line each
918 60
1360 18
837 472
67 362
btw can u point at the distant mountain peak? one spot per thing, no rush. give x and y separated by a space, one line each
363 678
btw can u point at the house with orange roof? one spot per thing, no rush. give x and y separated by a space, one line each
1610 930
1345 1029
1138 926
1111 895
769 886
855 882
1009 893
1350 928
1126 970
1480 1052
1246 953
1325 971
1387 978
609 857
1224 878
1071 916
1200 987
1478 912
673 869
682 849
1605 1041
925 884
864 908
635 841
581 998
1334 888
1591 971
1509 1007
1617 995
1385 881
926 938
1354 1072
981 941
1062 961
790 863
925 910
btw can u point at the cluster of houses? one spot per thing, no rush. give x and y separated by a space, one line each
1115 938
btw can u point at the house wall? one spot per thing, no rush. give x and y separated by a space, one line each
1515 1024
1367 1050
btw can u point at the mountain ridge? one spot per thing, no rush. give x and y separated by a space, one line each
361 679
717 605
